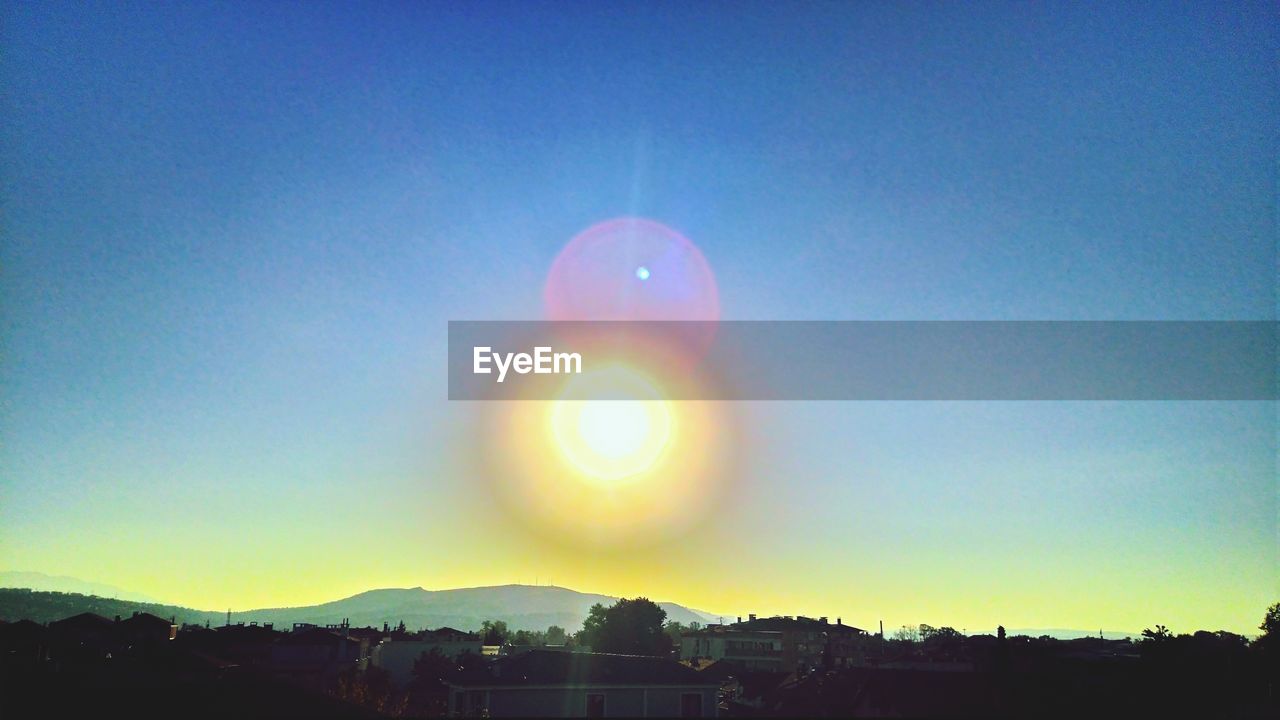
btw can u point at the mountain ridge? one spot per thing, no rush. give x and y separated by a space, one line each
65 584
522 607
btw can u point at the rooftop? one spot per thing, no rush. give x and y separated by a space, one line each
784 623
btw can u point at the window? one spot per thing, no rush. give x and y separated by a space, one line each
595 705
691 705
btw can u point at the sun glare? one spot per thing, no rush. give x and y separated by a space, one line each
611 439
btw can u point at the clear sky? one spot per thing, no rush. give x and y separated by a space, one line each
232 234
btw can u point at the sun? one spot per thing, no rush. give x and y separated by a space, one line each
611 423
613 461
611 439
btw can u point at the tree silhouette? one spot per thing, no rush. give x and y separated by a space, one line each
1270 626
591 627
906 634
1267 645
432 668
428 691
1161 633
495 632
628 627
942 643
370 688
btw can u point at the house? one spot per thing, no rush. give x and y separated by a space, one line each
547 683
86 638
249 645
145 629
315 656
809 643
397 657
759 650
23 644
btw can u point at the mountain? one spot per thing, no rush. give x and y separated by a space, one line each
45 606
1069 634
522 607
61 583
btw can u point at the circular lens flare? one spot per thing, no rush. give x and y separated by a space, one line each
593 277
612 464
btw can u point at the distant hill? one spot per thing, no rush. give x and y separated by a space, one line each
1069 634
522 607
61 583
43 607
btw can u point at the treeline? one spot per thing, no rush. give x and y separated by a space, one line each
44 607
628 627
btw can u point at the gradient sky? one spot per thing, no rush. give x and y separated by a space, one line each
232 235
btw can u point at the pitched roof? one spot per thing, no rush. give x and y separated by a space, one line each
144 619
551 667
83 621
21 631
450 631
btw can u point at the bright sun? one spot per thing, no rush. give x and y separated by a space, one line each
611 439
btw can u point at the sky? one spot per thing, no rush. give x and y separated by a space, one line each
232 235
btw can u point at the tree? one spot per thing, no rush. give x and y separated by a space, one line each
1161 633
432 668
591 627
428 690
494 632
944 642
555 635
1270 626
628 627
675 631
1268 643
369 688
906 634
528 638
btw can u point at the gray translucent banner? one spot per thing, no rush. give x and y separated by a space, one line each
856 360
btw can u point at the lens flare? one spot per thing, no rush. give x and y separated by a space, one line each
612 440
595 276
613 464
605 474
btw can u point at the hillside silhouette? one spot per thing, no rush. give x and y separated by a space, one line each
522 607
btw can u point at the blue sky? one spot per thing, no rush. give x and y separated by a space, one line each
233 233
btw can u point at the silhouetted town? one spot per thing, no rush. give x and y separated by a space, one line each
626 660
